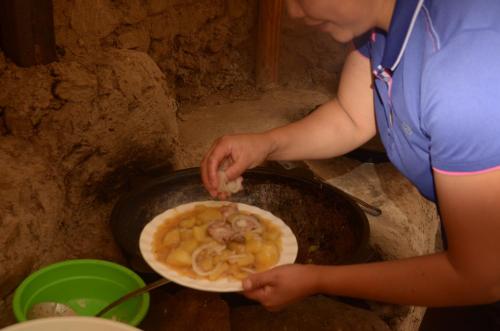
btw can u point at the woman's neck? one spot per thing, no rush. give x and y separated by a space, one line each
384 14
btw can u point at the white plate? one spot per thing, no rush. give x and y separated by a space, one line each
71 323
288 254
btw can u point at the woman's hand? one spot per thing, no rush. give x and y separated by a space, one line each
243 151
281 286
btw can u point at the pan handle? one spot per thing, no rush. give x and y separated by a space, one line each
367 208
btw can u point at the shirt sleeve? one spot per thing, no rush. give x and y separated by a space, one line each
461 103
362 44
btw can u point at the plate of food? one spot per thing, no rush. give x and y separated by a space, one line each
214 245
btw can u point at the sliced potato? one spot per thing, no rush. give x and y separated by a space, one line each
206 263
179 258
266 257
189 245
245 260
235 272
222 256
200 233
186 234
199 221
171 238
240 275
237 247
253 245
187 223
272 234
221 269
210 215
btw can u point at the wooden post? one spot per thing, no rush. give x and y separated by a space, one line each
268 42
27 31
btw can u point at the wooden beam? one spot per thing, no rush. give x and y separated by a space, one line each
268 42
1 39
27 31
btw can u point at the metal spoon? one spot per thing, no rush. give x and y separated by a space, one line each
56 309
147 288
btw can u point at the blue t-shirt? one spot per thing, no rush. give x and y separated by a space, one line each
437 87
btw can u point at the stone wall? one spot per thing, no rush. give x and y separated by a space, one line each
71 133
202 46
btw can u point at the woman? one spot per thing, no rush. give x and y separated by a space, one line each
427 74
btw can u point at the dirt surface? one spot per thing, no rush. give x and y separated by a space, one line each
315 313
177 309
187 309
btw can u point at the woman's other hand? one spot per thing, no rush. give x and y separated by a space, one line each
281 286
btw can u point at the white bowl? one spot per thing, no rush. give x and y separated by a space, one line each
72 323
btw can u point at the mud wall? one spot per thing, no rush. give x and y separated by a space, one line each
73 132
202 46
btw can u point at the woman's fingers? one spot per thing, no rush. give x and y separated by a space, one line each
263 287
222 149
211 163
280 286
259 280
258 286
240 151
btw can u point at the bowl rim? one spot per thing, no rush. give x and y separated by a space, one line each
54 321
140 314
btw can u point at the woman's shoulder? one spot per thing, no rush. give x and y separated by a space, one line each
449 19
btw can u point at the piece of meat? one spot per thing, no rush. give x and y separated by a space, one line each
221 231
229 186
210 249
226 186
242 223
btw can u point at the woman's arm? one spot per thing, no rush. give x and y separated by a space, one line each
336 127
467 273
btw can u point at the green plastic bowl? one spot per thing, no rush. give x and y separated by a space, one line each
87 286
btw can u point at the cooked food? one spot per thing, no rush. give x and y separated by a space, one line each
218 242
227 186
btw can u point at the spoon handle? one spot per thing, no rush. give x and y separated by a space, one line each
132 294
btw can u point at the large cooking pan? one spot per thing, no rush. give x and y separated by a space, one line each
329 225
